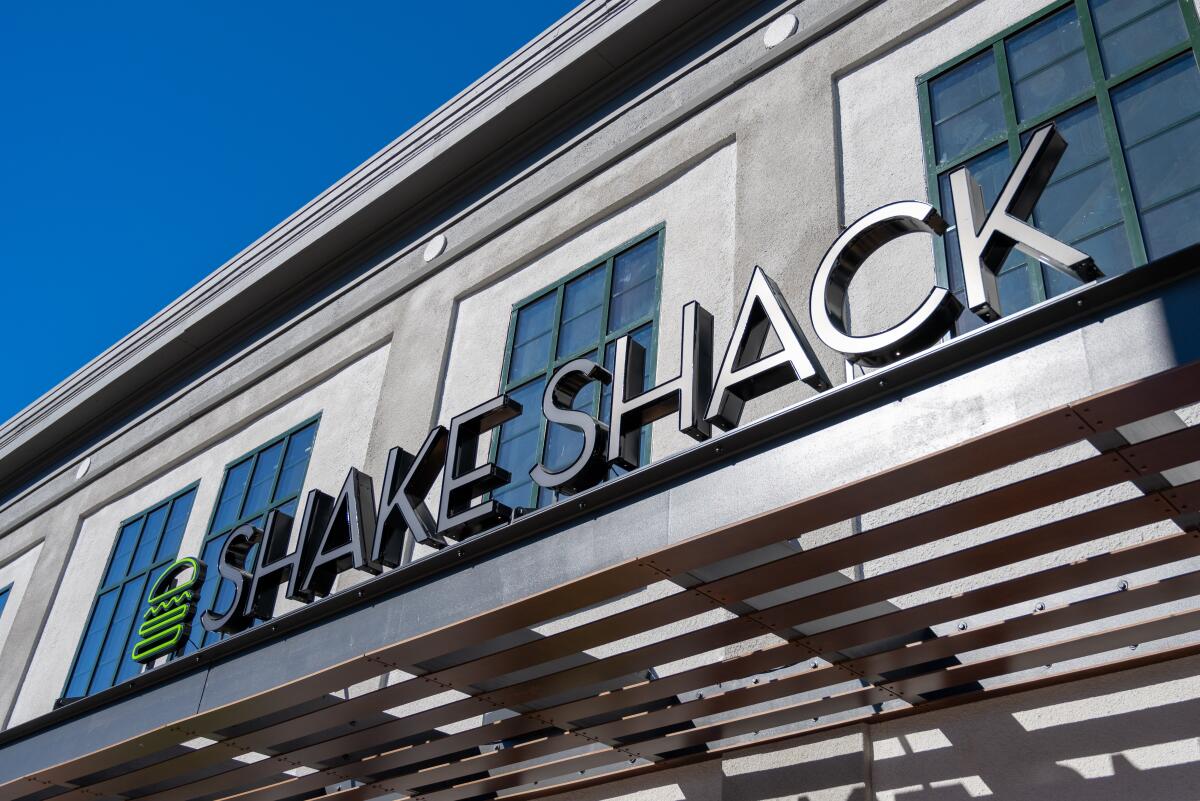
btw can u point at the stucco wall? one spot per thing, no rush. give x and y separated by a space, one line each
345 402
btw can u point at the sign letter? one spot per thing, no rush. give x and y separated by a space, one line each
985 242
590 466
827 303
745 373
462 481
633 407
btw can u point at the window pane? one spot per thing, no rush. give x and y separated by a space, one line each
119 565
1014 289
295 462
517 450
232 490
633 283
143 557
1081 202
168 547
1048 64
989 169
531 339
123 621
583 301
1158 116
966 107
93 639
4 599
1132 31
263 480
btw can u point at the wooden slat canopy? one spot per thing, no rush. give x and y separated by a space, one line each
528 718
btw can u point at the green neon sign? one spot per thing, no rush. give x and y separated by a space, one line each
172 604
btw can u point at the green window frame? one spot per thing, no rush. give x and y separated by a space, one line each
269 477
1105 76
590 331
145 544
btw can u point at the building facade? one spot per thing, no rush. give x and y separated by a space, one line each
553 452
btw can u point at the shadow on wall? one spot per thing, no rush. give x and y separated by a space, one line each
1115 738
1120 737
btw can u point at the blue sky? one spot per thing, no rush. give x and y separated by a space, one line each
144 144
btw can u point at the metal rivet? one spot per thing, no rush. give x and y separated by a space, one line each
779 30
1122 585
1041 607
962 626
460 551
1133 647
882 383
812 665
435 247
582 505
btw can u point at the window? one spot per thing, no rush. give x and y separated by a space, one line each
4 599
583 315
146 543
269 477
1120 80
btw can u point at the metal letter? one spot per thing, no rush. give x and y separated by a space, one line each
590 466
985 243
232 566
745 373
346 540
274 564
633 406
828 300
462 481
406 482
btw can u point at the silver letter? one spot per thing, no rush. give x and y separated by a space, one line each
590 466
633 407
745 373
986 243
827 301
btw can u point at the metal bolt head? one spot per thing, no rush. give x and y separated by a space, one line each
962 626
1040 607
1122 585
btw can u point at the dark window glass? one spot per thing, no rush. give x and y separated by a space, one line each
145 545
1048 65
1127 190
966 106
1159 119
1131 31
582 316
270 477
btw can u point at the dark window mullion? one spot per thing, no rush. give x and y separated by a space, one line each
1108 123
940 266
560 294
1037 289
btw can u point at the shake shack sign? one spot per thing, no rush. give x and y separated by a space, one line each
352 530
